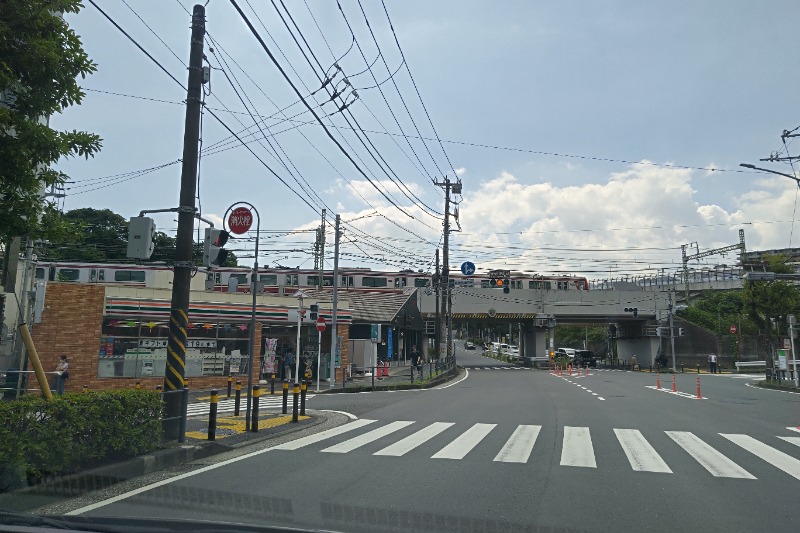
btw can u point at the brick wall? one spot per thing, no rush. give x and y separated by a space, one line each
71 323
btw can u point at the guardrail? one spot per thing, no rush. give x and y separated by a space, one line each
749 364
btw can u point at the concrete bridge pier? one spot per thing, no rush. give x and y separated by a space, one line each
534 340
645 349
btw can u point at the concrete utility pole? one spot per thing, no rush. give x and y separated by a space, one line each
322 249
437 326
671 331
334 339
174 376
455 188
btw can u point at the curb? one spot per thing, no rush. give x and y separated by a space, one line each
438 380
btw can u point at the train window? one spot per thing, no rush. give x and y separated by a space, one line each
486 284
347 281
101 275
241 279
39 273
517 284
400 282
420 282
291 279
367 281
451 282
563 285
269 279
69 274
128 275
327 281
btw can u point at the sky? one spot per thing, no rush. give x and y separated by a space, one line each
592 138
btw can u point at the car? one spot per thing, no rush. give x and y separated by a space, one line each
565 352
585 357
469 345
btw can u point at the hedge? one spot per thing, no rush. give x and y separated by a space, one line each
42 438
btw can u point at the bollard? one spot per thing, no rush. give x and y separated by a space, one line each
587 371
212 415
303 389
138 385
295 401
650 368
230 382
86 388
698 368
674 389
158 388
699 396
272 384
184 407
373 377
285 396
238 401
658 380
254 412
681 368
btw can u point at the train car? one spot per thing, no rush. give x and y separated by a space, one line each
286 280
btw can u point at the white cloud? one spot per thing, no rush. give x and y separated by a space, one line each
460 171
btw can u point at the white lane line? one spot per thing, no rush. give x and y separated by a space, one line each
414 440
466 370
518 447
594 394
790 428
793 440
641 455
712 460
577 450
465 442
600 398
322 435
370 436
776 458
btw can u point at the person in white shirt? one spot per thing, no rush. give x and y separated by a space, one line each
712 363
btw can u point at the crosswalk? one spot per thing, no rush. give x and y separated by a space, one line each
455 443
498 368
229 405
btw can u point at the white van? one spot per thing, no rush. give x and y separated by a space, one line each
500 348
513 351
569 352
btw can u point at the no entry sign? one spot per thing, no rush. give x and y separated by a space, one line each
321 324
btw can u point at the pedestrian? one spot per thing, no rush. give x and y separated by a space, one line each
634 362
712 363
414 359
288 361
63 374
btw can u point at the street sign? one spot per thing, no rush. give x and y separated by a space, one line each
321 324
733 328
240 220
467 268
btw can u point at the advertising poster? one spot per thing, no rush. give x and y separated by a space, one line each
268 365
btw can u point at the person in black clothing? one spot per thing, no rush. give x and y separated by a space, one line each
415 360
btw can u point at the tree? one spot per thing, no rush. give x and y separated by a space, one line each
40 59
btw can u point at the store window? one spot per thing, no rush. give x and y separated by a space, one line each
135 347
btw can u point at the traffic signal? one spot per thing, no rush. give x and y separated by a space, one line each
681 332
501 280
634 310
314 312
213 252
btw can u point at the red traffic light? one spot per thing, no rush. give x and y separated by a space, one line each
500 282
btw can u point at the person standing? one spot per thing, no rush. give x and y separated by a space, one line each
63 374
289 364
415 360
712 363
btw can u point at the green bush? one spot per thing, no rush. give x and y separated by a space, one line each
56 437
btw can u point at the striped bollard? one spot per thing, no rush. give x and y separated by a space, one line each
212 416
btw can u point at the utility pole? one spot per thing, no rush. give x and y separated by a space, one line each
671 331
319 250
455 188
437 327
184 245
334 338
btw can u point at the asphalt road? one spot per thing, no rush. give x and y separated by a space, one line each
502 448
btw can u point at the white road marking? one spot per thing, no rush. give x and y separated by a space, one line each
519 446
322 435
465 442
791 428
455 382
776 458
577 450
370 436
641 455
712 460
793 440
414 440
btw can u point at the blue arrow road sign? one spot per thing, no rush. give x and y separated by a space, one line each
467 268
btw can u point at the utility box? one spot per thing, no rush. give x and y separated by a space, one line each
141 232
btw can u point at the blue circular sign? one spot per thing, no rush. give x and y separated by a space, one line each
467 268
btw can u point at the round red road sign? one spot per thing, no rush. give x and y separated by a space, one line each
733 328
240 220
321 324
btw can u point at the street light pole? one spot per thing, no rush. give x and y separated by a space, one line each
753 167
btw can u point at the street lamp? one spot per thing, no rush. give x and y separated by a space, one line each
753 167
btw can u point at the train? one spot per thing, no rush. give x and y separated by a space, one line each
287 280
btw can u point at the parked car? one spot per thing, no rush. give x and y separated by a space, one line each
469 345
565 352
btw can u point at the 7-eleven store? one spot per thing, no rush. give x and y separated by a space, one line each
116 336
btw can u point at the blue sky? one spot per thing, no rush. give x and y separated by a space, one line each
620 90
